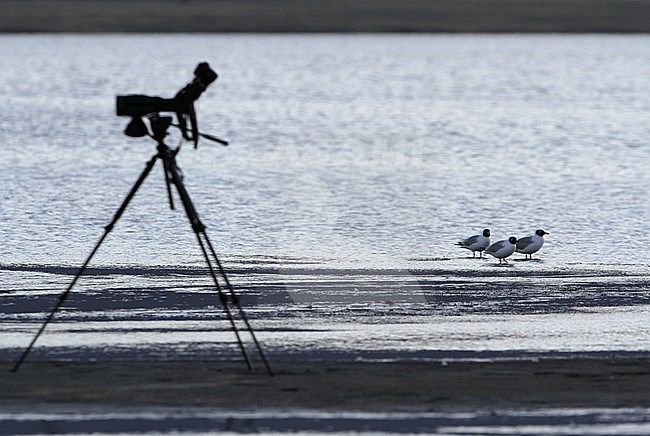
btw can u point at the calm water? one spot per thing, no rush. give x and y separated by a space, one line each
356 162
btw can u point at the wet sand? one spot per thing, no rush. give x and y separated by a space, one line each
325 16
336 385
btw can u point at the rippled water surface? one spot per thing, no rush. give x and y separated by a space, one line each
355 163
342 147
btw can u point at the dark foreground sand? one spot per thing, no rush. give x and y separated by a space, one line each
332 385
324 16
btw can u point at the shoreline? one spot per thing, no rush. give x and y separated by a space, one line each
336 16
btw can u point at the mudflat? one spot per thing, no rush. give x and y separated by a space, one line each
595 16
336 385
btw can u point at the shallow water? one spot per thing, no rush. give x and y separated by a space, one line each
367 147
89 419
469 309
355 164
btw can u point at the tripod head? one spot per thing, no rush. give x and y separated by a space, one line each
136 106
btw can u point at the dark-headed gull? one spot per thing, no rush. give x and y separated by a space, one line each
502 249
531 244
476 243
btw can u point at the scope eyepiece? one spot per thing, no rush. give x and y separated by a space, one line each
205 73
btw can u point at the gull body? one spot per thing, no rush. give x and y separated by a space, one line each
531 244
502 249
476 243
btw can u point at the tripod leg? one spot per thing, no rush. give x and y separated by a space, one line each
238 304
224 303
107 230
168 184
198 228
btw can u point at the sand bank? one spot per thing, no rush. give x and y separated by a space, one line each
325 16
336 385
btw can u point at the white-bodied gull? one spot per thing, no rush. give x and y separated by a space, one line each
502 249
531 244
476 243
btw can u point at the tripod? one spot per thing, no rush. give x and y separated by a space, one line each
173 177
